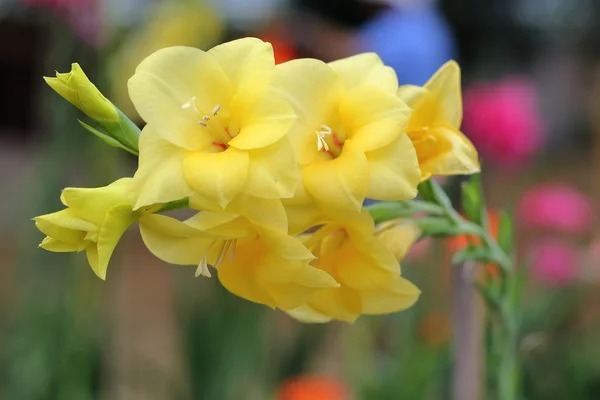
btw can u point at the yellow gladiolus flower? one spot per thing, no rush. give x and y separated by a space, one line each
259 264
434 126
367 271
77 89
214 125
398 236
349 137
94 221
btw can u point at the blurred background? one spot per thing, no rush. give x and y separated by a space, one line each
531 86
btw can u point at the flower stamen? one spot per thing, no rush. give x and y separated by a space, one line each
321 135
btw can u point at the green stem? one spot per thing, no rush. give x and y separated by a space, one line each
501 295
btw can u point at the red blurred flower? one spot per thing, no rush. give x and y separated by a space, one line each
554 262
313 388
556 207
503 121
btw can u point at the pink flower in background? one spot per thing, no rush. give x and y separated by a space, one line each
557 207
503 121
554 262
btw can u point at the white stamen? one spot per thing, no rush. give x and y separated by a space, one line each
321 135
206 118
203 268
216 110
190 103
202 123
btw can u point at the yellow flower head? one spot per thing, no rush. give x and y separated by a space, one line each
367 271
349 137
77 89
398 236
94 221
214 128
434 126
263 265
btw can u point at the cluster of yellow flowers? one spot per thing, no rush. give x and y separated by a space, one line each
277 160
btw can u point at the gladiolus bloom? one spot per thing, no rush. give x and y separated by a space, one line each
94 221
260 264
367 271
349 138
214 126
434 125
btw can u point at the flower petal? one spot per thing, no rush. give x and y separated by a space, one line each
173 241
92 204
116 222
397 295
273 171
364 105
247 62
445 83
218 177
339 185
264 118
169 78
366 69
394 171
61 247
160 177
307 314
453 154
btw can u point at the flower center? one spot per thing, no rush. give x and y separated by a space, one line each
221 129
330 141
223 247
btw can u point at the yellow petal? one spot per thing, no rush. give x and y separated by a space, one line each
218 177
301 217
339 185
307 314
169 78
340 304
92 204
412 94
273 171
266 213
247 62
394 171
310 86
273 269
364 105
116 222
159 177
445 83
454 154
61 247
366 69
398 236
264 118
397 295
91 252
173 241
378 134
64 226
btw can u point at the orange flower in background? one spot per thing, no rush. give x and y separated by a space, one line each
435 329
313 388
457 243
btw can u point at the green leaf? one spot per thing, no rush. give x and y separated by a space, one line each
106 138
472 253
426 191
505 233
431 226
473 202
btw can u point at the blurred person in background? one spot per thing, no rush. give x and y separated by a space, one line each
411 36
